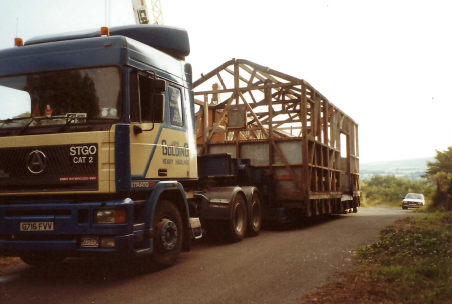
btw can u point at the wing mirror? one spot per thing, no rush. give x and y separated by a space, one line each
159 85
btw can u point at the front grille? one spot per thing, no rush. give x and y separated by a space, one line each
49 168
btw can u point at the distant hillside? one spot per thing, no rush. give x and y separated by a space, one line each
408 168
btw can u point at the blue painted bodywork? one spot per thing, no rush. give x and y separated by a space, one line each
73 219
122 158
171 40
69 226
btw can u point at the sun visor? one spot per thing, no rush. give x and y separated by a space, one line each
170 40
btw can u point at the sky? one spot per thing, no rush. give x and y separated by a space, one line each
387 64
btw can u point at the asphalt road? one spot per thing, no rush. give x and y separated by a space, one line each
278 266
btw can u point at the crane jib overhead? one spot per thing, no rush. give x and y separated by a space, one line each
141 11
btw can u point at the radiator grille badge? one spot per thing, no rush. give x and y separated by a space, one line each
36 162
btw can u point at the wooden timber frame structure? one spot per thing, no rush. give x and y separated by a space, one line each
286 128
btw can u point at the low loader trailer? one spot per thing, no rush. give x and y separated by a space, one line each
111 150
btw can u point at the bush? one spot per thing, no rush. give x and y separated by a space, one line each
390 190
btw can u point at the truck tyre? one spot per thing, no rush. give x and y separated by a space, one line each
355 206
255 216
168 233
43 260
238 222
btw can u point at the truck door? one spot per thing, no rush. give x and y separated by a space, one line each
159 144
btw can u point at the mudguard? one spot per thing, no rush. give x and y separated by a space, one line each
149 211
216 202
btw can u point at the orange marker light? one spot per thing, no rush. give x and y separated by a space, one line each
120 216
18 42
104 31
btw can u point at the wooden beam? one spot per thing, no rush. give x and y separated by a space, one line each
254 115
304 142
221 80
206 121
250 81
252 96
209 75
266 75
261 68
268 98
199 127
249 66
247 89
223 115
236 86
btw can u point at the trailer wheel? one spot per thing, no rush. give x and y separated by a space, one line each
355 206
168 233
255 216
238 222
43 260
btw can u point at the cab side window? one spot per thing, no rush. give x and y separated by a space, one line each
175 103
146 103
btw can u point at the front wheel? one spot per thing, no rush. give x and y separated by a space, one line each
168 233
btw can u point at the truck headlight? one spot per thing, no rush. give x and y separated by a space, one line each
110 216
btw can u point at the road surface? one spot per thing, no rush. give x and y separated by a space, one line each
278 266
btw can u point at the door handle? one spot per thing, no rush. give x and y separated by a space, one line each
163 172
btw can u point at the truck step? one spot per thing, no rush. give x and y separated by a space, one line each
195 225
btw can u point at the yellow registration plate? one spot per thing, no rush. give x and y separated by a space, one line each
36 226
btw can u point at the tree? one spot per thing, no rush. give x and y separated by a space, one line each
438 173
441 164
389 189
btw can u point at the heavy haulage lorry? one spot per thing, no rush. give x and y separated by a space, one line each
104 154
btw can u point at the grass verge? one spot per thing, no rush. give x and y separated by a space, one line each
411 262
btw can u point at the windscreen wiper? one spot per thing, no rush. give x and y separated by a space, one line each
71 119
38 119
11 120
28 123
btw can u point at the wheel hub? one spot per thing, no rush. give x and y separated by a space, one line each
256 213
167 234
239 218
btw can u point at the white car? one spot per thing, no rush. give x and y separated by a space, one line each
413 200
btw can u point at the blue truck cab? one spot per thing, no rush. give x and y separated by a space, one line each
99 138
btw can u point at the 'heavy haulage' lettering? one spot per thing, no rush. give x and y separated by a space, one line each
174 151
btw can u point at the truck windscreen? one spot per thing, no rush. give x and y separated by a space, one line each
61 97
